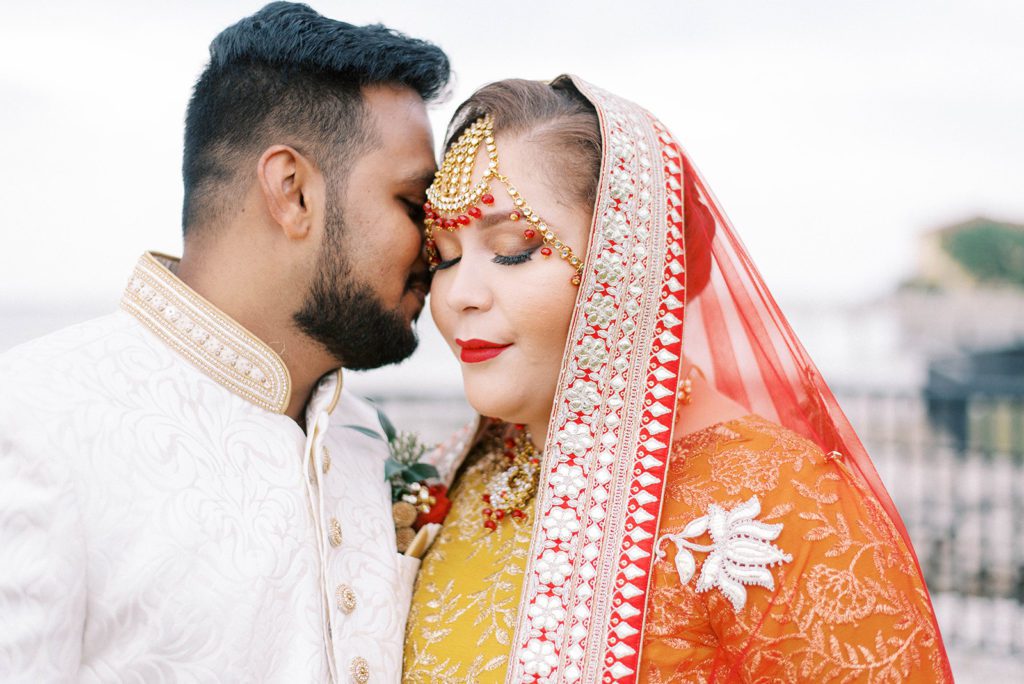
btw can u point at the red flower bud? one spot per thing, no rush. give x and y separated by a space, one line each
438 510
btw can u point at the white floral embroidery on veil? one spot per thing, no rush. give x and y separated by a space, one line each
740 551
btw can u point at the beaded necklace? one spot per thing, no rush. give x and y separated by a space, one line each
513 481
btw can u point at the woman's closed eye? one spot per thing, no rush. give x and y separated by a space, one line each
502 259
514 259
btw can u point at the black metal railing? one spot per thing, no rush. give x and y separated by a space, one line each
954 464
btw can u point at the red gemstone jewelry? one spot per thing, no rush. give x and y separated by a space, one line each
513 483
453 202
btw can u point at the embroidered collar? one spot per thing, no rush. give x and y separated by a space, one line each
206 336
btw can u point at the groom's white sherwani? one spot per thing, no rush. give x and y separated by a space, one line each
162 520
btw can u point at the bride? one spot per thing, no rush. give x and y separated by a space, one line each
664 488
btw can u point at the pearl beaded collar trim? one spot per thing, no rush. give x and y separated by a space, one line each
207 337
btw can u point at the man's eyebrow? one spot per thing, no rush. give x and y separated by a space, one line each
421 178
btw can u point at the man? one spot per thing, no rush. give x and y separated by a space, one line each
182 494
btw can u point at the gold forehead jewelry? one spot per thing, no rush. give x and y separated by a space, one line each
453 203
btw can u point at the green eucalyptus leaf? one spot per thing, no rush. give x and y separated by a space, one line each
385 422
392 468
424 471
366 431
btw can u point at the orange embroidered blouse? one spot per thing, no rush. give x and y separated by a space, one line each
848 607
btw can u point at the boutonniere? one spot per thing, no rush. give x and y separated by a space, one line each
415 500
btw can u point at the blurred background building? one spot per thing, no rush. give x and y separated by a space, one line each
847 141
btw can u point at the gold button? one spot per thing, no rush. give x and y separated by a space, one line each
327 460
360 670
346 598
335 534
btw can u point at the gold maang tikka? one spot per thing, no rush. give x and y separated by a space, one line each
453 203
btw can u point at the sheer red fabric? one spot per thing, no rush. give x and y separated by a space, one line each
736 332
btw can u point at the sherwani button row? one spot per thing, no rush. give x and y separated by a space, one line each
335 533
160 374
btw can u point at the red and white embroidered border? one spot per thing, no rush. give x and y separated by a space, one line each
605 458
623 633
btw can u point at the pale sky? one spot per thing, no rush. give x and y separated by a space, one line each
834 133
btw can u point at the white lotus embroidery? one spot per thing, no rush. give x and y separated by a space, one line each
740 552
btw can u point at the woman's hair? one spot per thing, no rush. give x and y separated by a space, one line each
556 116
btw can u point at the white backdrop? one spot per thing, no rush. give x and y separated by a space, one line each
833 132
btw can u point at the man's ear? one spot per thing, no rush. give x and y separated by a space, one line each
292 188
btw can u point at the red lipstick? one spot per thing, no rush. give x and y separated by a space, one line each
475 351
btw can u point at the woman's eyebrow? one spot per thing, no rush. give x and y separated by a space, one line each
492 219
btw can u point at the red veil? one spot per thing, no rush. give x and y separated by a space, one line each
665 272
737 332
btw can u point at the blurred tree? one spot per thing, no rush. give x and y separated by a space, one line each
992 252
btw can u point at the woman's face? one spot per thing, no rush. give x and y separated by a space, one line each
502 306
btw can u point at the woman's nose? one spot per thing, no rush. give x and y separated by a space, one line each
468 288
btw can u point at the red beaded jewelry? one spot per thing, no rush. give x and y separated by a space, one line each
513 482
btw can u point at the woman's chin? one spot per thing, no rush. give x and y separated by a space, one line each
491 400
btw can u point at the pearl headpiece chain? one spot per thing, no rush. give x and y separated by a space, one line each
453 203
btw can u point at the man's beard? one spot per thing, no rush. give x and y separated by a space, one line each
346 316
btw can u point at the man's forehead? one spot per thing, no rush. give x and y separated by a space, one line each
393 107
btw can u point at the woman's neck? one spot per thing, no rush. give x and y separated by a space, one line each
538 432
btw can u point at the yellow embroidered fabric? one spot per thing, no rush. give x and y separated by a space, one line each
465 602
849 607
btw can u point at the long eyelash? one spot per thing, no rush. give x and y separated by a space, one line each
520 258
448 263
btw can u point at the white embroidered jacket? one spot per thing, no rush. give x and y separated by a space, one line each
161 520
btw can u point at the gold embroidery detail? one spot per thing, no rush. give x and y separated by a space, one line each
326 460
466 600
213 342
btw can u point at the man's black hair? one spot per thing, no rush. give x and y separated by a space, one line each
289 75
